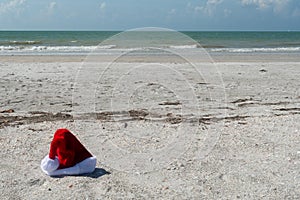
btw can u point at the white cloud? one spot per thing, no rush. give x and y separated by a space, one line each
11 6
276 5
51 7
172 11
102 5
209 7
280 5
198 8
261 4
227 12
188 4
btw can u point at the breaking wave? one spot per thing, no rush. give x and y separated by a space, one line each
253 50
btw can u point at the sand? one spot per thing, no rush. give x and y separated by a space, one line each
160 130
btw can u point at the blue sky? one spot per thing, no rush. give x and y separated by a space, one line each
128 14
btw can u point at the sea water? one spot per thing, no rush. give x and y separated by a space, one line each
107 42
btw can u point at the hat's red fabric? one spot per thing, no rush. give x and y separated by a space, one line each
68 149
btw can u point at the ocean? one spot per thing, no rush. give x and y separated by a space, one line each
108 42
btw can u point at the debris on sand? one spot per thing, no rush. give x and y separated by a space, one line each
8 111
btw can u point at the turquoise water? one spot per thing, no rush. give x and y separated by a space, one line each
247 39
56 42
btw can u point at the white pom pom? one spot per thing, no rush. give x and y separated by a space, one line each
49 165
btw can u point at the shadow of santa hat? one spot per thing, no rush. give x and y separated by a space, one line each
67 156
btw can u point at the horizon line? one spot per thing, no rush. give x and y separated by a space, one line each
183 30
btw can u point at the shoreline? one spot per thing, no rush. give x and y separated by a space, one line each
215 57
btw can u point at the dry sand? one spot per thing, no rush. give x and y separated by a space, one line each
228 130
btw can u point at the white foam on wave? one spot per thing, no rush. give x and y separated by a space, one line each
106 46
193 46
26 42
65 48
8 49
253 50
24 49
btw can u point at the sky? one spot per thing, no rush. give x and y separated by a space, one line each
198 15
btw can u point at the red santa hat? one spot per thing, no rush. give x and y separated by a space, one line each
68 149
67 155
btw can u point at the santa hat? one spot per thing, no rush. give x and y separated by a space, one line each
67 156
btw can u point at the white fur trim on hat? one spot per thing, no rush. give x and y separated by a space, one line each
48 165
86 166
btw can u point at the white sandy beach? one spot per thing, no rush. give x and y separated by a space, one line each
163 130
